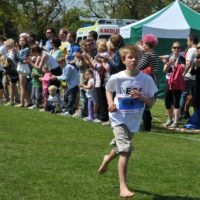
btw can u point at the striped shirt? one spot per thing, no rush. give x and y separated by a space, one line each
149 60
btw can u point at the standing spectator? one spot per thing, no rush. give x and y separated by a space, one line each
99 76
93 36
50 33
149 64
32 39
36 94
45 58
89 93
115 62
64 43
3 52
71 76
196 71
23 70
173 95
56 51
45 84
133 90
73 47
192 42
11 72
194 121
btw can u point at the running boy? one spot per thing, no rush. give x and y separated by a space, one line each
133 90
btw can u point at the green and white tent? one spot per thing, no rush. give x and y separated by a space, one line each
176 21
173 23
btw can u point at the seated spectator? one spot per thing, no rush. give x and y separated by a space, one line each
54 102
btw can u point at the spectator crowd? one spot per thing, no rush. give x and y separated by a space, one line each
68 78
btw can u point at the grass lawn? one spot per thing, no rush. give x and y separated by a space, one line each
45 156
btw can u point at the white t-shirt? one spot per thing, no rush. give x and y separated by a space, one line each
190 56
129 111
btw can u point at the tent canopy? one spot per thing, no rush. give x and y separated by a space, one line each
176 21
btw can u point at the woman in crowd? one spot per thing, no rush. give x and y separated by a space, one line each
149 64
11 72
172 96
23 69
56 51
45 58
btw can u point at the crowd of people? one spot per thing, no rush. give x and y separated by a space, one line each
80 71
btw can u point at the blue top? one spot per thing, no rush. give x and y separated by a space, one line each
115 64
48 45
70 75
73 48
22 54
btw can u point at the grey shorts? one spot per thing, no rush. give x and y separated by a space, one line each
122 140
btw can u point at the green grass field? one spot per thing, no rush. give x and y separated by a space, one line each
45 156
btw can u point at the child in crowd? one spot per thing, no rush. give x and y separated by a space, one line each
99 76
71 76
36 93
133 90
62 63
89 93
45 84
54 103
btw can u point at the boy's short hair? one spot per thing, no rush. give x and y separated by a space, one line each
129 49
52 87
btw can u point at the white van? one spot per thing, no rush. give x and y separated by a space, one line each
104 27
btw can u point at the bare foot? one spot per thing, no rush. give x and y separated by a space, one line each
104 165
126 193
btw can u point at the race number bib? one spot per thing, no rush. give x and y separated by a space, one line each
128 104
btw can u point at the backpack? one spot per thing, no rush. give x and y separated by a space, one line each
176 79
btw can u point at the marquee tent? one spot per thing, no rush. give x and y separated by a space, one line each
176 21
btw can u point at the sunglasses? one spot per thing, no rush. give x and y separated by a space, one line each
198 47
48 32
176 47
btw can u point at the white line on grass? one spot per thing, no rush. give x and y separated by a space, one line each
179 136
176 136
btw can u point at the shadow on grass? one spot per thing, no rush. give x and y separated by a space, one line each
164 197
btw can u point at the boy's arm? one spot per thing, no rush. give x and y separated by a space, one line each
111 104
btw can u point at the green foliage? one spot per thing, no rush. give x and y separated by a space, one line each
71 19
46 156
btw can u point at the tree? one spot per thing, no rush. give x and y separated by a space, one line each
133 9
71 19
29 15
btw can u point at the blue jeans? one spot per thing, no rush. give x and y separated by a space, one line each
190 84
84 103
70 99
90 108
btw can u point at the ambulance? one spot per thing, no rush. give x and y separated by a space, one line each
104 27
